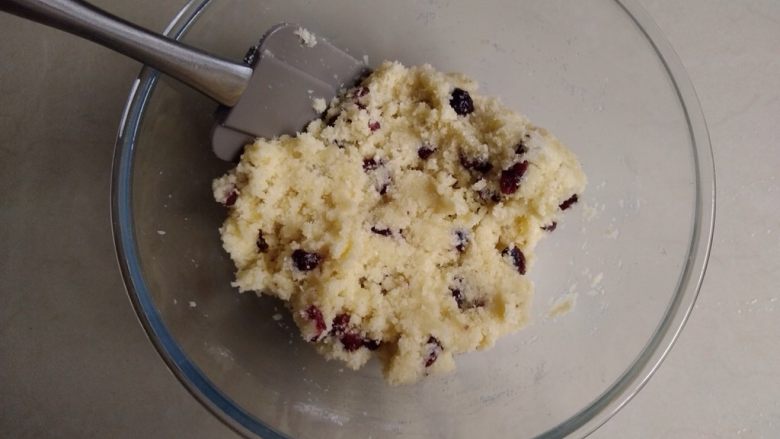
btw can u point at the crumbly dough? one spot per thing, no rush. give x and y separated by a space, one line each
307 38
401 222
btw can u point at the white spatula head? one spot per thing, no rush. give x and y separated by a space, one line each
291 67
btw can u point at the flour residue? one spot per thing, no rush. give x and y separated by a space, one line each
321 413
563 305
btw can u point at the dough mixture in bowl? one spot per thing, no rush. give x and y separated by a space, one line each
401 223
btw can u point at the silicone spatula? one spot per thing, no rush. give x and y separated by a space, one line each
269 94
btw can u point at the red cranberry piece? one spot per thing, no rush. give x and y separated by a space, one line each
351 341
383 232
480 165
305 261
460 298
457 294
370 164
461 239
231 198
262 245
340 323
374 125
425 152
461 102
486 195
550 227
510 178
315 315
330 121
517 257
434 348
483 167
569 201
371 345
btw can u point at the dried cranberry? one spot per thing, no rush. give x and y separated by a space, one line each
305 261
371 345
340 324
487 195
550 227
457 294
434 347
314 314
480 165
460 298
569 201
262 246
425 152
461 239
383 232
231 198
374 125
518 259
370 164
351 341
510 178
461 102
330 121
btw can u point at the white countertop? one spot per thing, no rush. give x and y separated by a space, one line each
62 375
722 378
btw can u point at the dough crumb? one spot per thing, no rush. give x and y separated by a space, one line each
596 280
401 223
319 105
307 38
563 305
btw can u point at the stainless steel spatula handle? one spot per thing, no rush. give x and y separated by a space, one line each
218 78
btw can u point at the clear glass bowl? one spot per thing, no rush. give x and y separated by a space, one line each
633 252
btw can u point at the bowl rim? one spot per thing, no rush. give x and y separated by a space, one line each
582 423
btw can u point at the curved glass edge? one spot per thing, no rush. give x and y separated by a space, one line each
606 405
127 255
582 423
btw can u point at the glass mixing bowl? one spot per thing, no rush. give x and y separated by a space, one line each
632 253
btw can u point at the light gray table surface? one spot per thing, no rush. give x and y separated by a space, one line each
75 363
